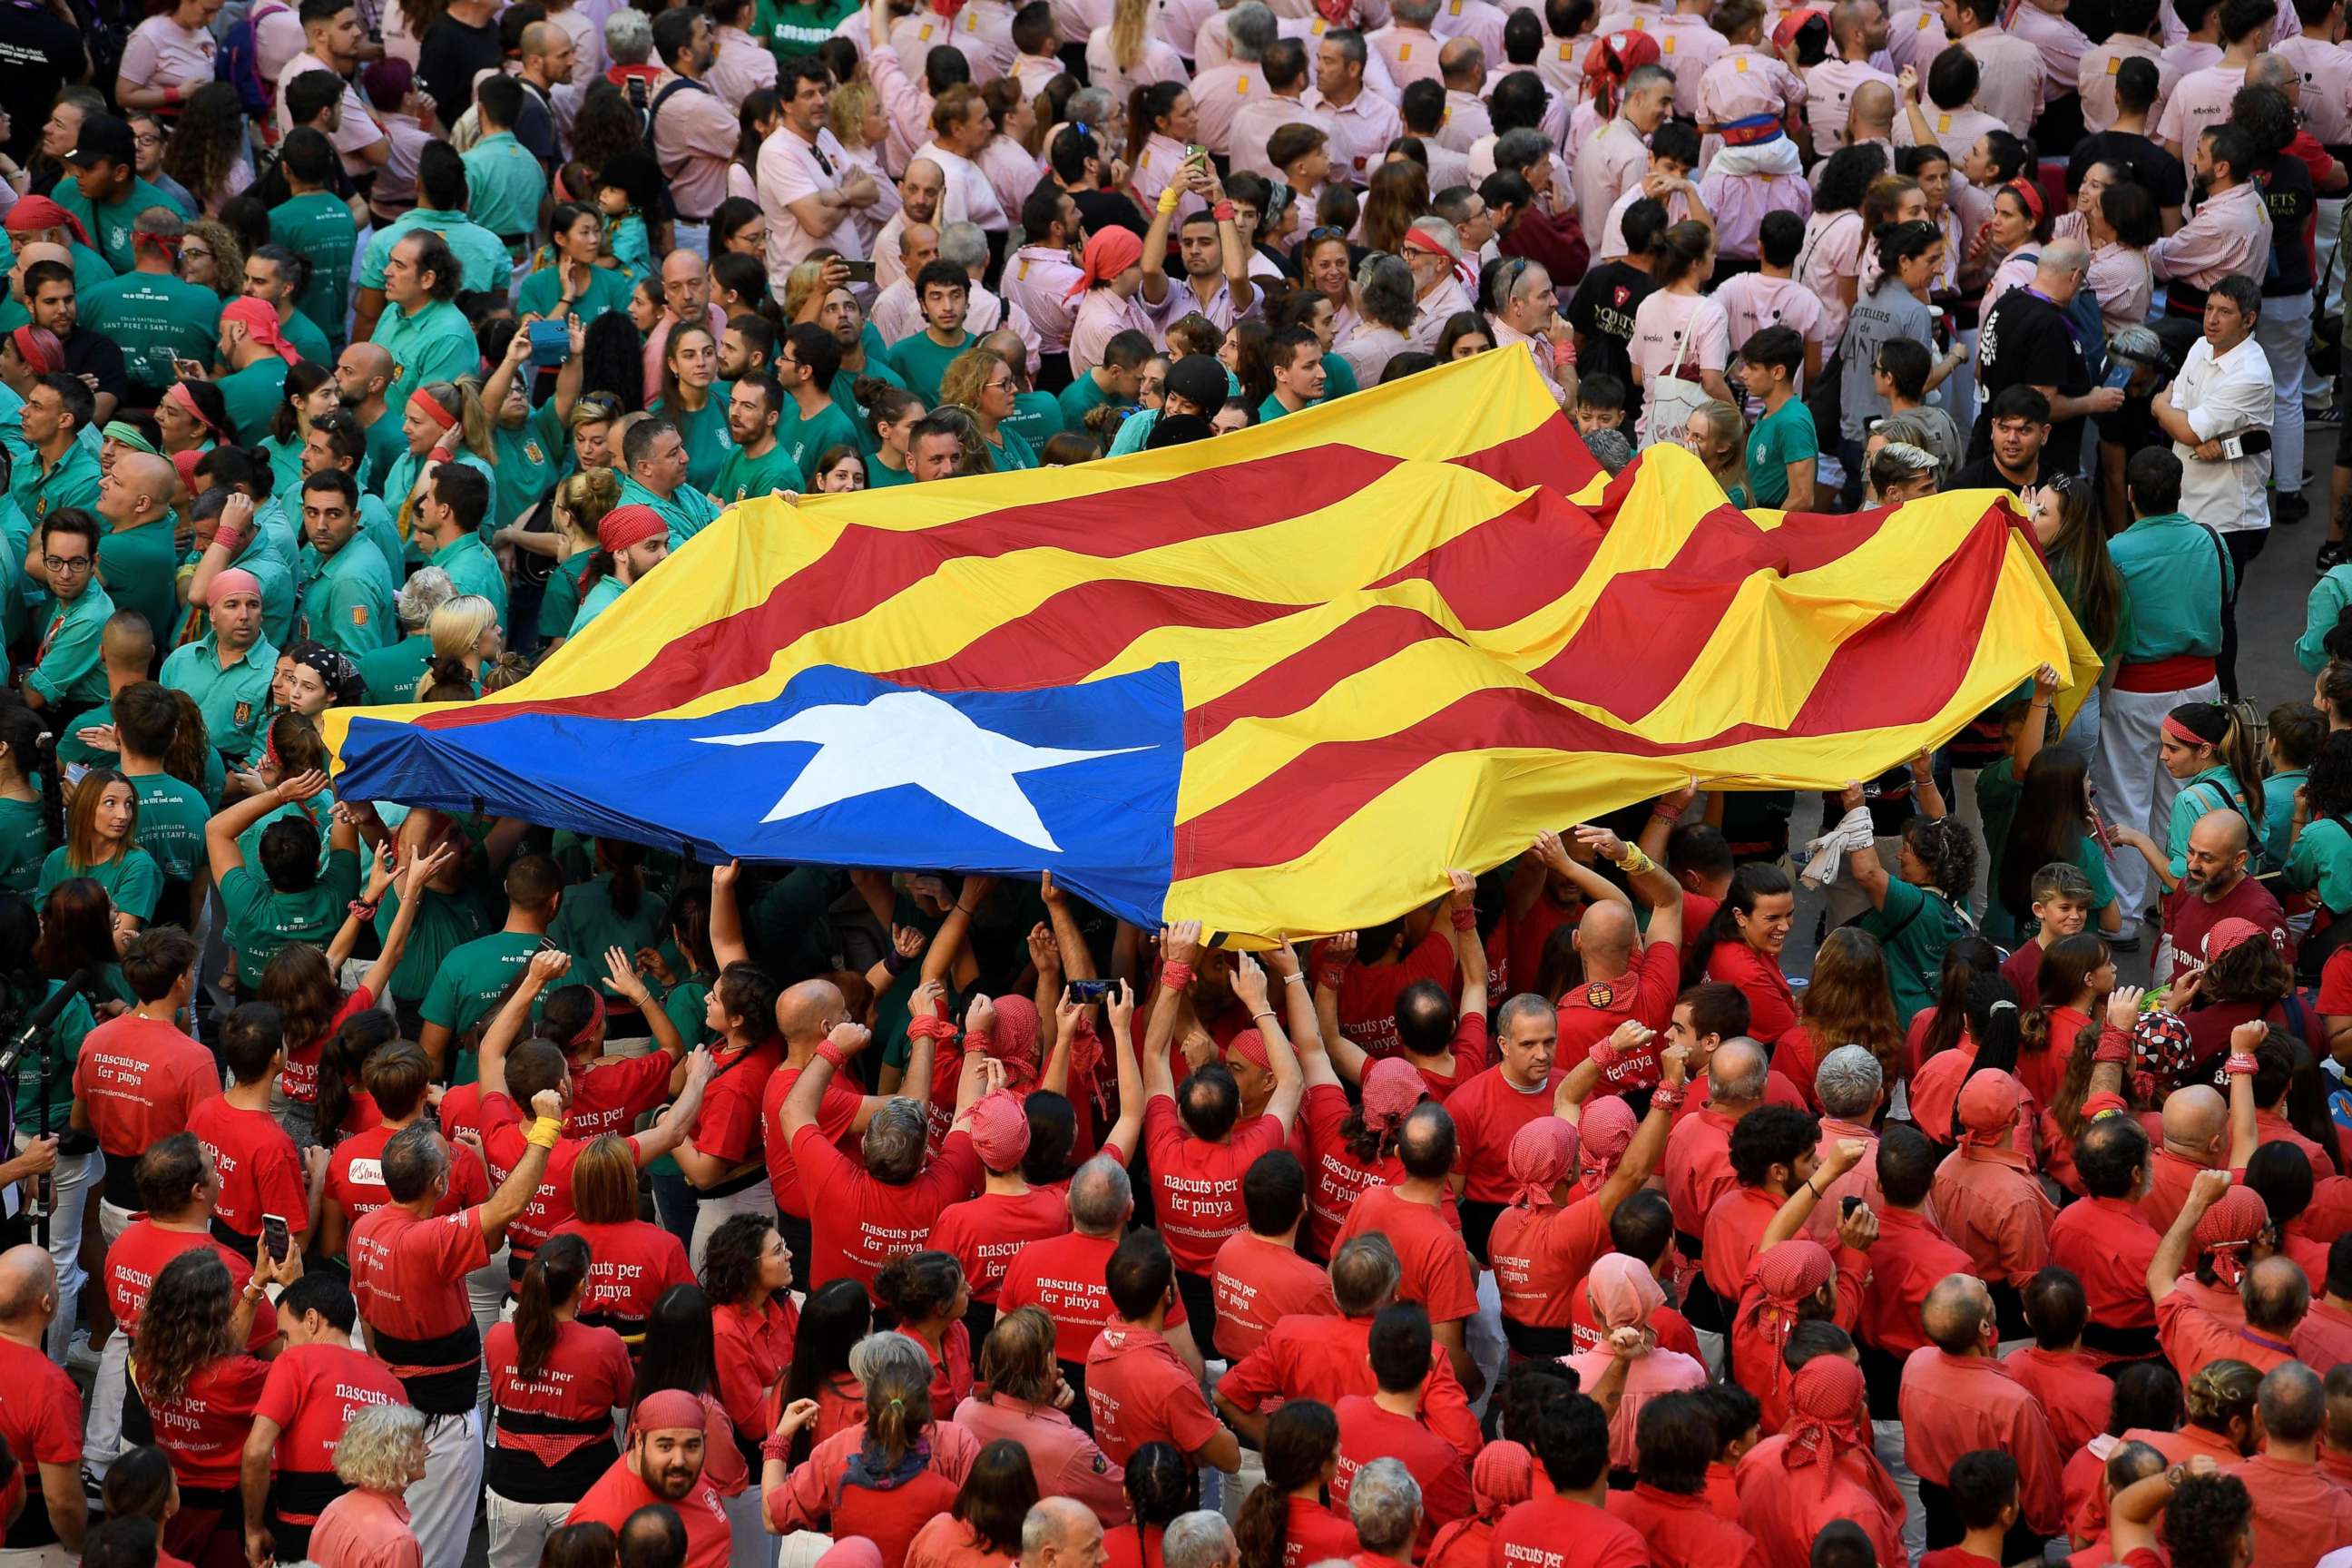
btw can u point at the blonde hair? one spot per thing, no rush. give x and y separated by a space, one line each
1127 19
585 496
844 116
1722 416
464 398
967 376
804 283
375 1450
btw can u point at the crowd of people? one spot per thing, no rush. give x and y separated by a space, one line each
384 1179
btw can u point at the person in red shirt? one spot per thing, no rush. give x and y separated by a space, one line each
1909 1256
316 1384
1289 1521
1643 1228
2053 1369
1489 1110
882 1479
396 1077
1368 975
1384 1503
2300 1514
1956 1396
1064 1277
408 1275
925 1295
1821 1468
1696 1167
200 1385
1742 946
1773 1154
1572 1526
2323 1337
1984 1496
1193 1144
1260 1278
40 1410
380 1457
1387 1422
748 1278
722 1154
866 1213
1709 1016
2209 1519
1350 1148
1987 1198
1629 977
138 1078
663 1464
1412 1215
2216 888
2105 1241
259 1171
610 1093
1017 1398
177 1186
983 1234
1442 1041
1667 1505
1501 1478
1138 1390
631 1261
2271 1296
1326 1359
554 1384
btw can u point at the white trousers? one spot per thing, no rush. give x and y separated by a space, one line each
441 1506
50 1556
70 1181
2284 330
711 1213
486 1296
2134 789
518 1529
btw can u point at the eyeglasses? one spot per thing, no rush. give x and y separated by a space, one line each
998 386
66 563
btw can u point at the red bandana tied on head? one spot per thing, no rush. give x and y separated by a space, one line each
1391 1089
230 581
1013 1042
1108 253
1543 1155
1825 1401
179 395
260 322
1250 1046
623 525
39 214
1603 1136
999 1129
1783 1276
184 465
668 1410
2228 1229
1612 57
1503 1475
851 1552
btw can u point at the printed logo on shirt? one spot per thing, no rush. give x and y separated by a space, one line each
1405 53
242 713
531 449
1600 993
2114 65
1241 87
367 1172
359 615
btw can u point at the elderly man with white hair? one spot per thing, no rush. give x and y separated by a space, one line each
1201 1539
1061 1533
1847 1087
1433 249
379 1456
1385 1502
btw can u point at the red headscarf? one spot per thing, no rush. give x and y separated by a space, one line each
39 214
1108 252
1825 1422
1603 1136
2228 1229
1502 1478
1612 57
1543 1155
1000 1132
1784 1277
260 323
1987 1116
1013 1042
1391 1089
39 349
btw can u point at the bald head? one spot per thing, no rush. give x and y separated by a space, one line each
1870 115
1605 936
145 483
2292 1401
2276 1296
805 1012
1462 63
29 1285
1060 1533
1736 1073
2196 1123
40 251
1955 1314
682 266
2275 70
2220 832
2340 1406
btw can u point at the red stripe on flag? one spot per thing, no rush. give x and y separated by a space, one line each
1933 637
1551 455
1291 684
1510 566
866 566
1077 631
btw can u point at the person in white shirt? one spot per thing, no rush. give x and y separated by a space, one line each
1464 62
898 310
919 191
2011 88
1362 123
740 65
1038 276
1408 44
2217 411
1858 28
804 179
960 128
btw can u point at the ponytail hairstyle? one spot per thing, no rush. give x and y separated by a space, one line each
1302 1439
191 747
2067 965
298 982
2216 725
1995 1020
918 1288
552 1282
342 1061
1678 251
1161 1484
32 751
898 1379
627 860
1751 883
1127 20
464 398
2066 1104
885 402
1964 962
1948 851
571 1014
1899 242
1153 101
302 379
689 927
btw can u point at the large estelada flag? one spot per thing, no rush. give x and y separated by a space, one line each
1276 682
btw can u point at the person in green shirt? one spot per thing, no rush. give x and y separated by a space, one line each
171 811
448 520
277 277
310 396
1117 381
138 557
58 408
636 539
757 465
364 374
67 673
227 670
254 355
391 673
471 981
444 423
479 262
248 545
289 898
1299 378
532 445
29 799
1783 449
693 398
2203 746
613 909
1916 915
944 293
655 454
345 604
426 336
810 421
157 318
104 190
316 225
102 844
505 186
568 282
792 30
981 382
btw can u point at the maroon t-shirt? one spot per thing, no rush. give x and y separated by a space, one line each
2187 917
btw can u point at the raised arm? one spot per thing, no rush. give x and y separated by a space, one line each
1649 1142
1661 892
506 1205
1552 851
667 1135
1155 241
947 957
1180 949
547 965
1299 1011
930 1000
1861 864
2244 1040
2030 736
1788 1221
1119 1012
726 917
1664 813
1348 1058
1469 950
1249 984
414 878
2173 1252
220 833
808 1090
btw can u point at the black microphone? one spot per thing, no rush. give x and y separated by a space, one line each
37 1022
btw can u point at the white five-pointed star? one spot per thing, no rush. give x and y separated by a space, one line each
914 738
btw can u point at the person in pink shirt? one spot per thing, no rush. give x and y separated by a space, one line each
1615 158
2201 99
2010 86
1624 1295
1407 46
1749 96
1020 1396
1858 31
1689 44
983 1528
2134 39
380 1455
